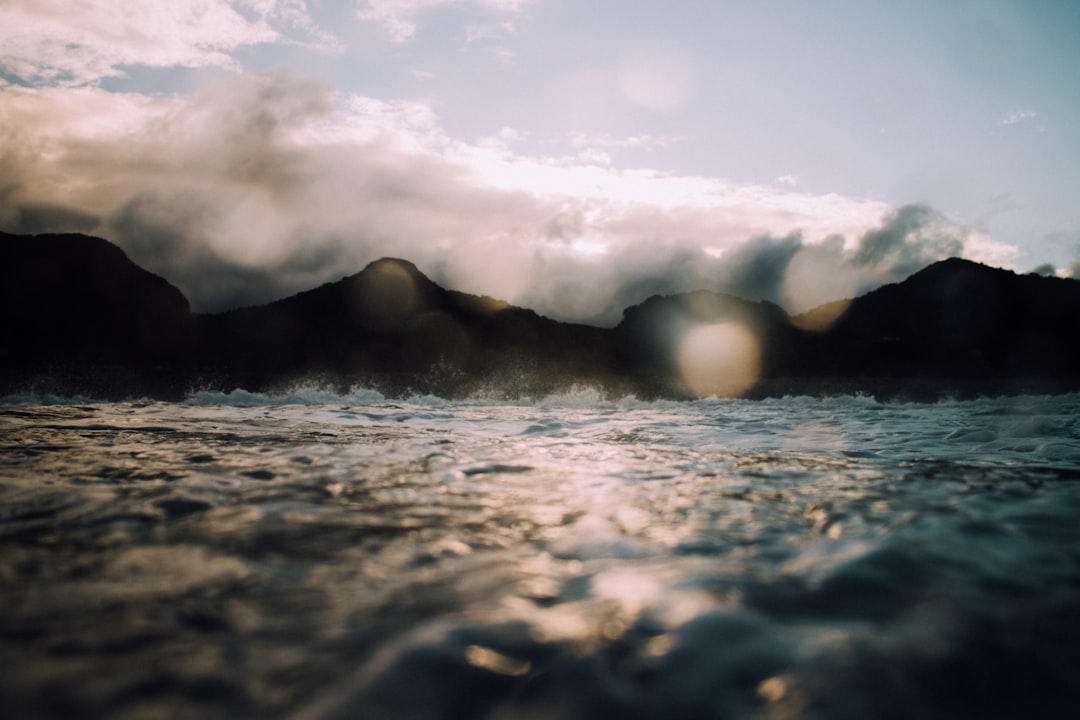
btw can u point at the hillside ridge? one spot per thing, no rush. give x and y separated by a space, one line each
77 314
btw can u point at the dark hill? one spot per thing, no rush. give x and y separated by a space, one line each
956 327
390 323
959 319
650 341
74 301
77 316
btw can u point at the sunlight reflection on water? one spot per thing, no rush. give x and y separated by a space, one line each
832 558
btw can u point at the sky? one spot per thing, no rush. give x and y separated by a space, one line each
572 157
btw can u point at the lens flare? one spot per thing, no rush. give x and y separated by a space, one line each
722 359
386 297
496 662
822 317
813 280
658 80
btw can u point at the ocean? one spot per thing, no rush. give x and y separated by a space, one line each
318 555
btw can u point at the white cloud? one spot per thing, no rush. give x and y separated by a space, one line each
74 43
399 17
580 139
283 185
475 32
1019 116
981 247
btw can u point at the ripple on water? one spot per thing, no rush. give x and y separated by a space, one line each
827 559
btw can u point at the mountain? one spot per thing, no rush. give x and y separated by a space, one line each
77 316
72 301
750 341
958 320
391 323
956 327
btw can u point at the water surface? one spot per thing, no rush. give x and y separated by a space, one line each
325 556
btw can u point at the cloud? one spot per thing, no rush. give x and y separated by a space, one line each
1019 116
65 43
607 141
399 17
266 184
475 32
1045 270
1072 241
788 270
913 236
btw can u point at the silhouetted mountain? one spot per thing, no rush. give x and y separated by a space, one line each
650 342
957 319
76 301
77 316
391 323
956 327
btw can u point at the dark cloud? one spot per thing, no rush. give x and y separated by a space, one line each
34 218
152 231
910 238
227 195
1046 270
784 270
756 269
1067 243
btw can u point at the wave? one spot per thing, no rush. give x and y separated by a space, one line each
577 398
299 395
583 397
33 399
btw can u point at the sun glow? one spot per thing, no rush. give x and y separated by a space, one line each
723 359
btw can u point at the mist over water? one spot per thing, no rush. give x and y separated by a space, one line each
315 555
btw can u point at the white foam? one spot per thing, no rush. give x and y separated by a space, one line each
300 395
33 398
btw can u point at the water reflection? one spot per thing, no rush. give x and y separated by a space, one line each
485 561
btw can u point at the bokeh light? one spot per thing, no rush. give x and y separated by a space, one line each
721 359
387 296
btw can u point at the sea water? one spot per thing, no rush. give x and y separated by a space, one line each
323 556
